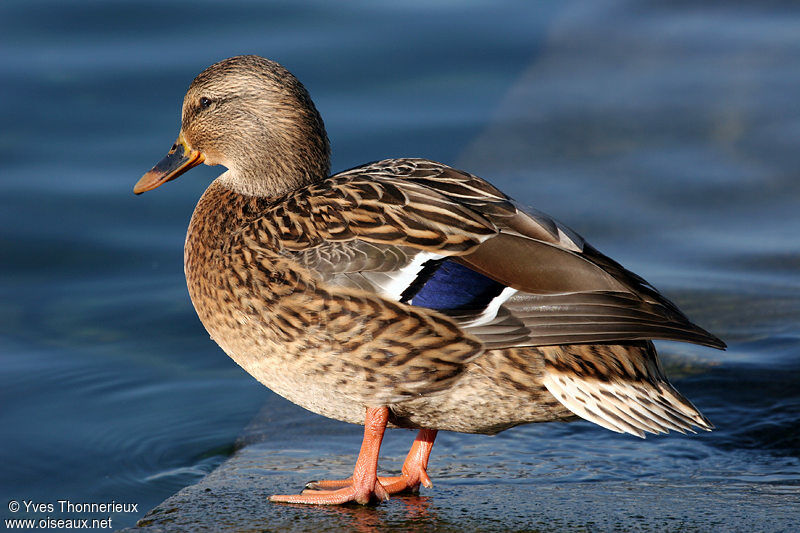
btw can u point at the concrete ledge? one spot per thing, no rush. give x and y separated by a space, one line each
481 484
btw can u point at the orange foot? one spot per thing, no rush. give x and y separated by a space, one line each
363 486
361 492
414 472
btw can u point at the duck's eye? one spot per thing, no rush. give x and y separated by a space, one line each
205 102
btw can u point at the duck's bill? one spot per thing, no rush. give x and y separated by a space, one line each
177 161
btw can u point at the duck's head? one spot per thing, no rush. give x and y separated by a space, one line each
254 117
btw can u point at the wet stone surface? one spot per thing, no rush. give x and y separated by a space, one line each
234 498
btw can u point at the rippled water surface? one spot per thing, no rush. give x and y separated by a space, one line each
665 133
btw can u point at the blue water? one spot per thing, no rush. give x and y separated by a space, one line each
665 134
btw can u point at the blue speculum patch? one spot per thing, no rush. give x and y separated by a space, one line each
455 287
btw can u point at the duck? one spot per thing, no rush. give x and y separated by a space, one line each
404 293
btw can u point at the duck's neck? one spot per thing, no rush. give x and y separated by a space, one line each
278 161
265 184
271 180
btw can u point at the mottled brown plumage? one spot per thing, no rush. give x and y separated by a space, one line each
406 288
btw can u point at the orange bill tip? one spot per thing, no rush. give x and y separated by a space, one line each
178 160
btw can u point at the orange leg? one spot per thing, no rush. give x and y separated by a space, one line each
363 486
414 470
415 466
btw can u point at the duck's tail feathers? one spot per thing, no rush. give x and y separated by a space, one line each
632 396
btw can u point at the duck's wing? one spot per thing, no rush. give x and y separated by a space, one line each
425 234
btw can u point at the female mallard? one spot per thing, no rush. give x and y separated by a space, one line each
404 288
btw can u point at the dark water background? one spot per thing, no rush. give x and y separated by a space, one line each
664 132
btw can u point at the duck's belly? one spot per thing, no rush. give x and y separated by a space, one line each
479 402
485 399
500 389
303 389
290 368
